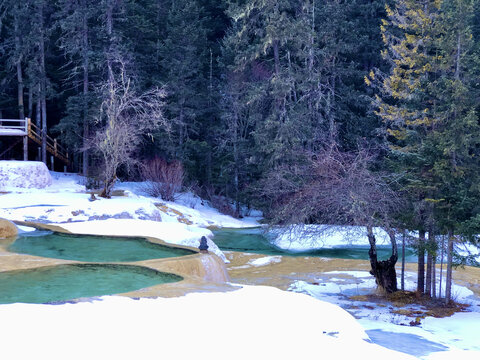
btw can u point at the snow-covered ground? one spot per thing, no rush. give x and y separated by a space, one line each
253 322
457 333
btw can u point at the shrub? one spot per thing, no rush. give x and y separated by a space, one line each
163 179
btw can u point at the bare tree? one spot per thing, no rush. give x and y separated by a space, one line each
335 187
126 118
163 179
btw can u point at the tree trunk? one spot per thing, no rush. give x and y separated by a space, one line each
30 102
403 261
276 57
18 60
430 250
421 263
38 111
85 90
441 267
43 80
383 271
236 164
21 107
434 275
448 281
108 187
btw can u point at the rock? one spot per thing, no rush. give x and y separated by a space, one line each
7 229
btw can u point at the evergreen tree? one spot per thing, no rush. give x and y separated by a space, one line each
426 106
184 60
75 19
457 136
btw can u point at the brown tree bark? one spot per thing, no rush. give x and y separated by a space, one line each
430 250
383 271
421 262
85 155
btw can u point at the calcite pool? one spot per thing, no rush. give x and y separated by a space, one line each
48 267
65 282
92 248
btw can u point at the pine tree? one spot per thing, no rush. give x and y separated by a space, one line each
184 59
457 136
406 104
75 20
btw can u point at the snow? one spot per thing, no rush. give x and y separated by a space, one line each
11 132
457 333
263 261
311 237
252 322
24 174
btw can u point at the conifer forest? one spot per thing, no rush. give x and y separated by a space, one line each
352 112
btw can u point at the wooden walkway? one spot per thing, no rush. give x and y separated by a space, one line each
25 128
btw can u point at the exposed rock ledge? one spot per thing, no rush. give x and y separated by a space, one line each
7 229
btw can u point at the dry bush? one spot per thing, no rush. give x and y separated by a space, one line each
217 201
163 179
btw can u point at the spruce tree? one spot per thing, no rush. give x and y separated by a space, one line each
406 104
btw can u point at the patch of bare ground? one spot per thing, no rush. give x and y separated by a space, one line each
412 305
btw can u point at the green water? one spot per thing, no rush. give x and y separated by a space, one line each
255 240
67 282
92 248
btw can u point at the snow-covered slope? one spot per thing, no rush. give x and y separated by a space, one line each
250 323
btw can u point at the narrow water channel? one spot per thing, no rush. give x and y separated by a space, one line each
256 240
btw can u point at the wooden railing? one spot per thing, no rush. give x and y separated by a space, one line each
16 127
53 147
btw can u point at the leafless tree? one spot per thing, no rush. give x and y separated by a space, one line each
335 187
163 179
125 119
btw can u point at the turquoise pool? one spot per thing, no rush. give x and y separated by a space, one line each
92 248
66 282
255 240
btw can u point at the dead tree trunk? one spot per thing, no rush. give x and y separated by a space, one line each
421 262
448 281
430 250
383 271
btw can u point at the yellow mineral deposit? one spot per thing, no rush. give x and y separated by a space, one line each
7 229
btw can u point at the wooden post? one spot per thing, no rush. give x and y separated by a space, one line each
55 147
25 140
25 148
52 162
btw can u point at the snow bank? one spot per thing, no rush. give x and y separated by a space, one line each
263 261
311 237
250 323
456 333
24 174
